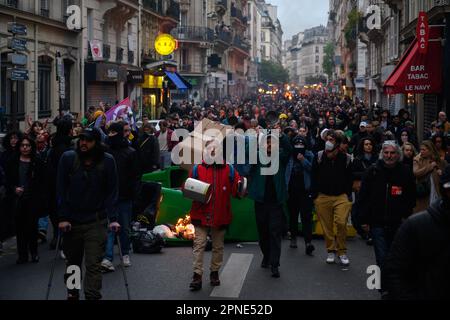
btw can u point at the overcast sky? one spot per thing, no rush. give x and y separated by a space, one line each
298 15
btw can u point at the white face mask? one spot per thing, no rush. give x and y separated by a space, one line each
329 146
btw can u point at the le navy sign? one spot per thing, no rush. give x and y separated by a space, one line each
423 32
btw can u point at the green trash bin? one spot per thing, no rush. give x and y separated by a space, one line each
174 206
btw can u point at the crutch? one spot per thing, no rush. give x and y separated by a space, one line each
122 265
58 241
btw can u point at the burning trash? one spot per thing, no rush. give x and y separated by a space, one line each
184 228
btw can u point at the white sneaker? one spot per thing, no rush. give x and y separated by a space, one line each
331 257
107 265
126 261
344 260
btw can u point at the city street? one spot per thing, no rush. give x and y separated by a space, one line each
166 276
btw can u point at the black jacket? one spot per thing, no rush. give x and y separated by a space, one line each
148 153
418 264
360 164
127 168
37 183
331 177
60 144
387 195
85 194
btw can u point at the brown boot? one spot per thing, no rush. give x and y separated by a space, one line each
196 283
214 278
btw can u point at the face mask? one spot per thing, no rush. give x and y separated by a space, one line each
329 146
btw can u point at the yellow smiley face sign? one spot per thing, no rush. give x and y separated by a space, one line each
165 44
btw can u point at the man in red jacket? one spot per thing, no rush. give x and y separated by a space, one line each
212 217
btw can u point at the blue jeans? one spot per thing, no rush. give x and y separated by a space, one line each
382 240
165 159
43 224
124 209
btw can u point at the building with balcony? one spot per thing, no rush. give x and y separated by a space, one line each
112 73
271 33
311 55
47 39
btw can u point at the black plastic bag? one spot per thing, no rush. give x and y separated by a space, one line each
147 242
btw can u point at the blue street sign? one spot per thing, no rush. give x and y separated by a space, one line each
17 74
17 59
17 44
17 28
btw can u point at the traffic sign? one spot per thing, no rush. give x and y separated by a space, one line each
17 74
17 28
17 59
17 44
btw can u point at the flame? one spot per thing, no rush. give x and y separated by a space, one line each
184 228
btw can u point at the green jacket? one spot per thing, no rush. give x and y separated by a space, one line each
257 182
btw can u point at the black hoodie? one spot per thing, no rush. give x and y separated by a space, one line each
418 264
127 166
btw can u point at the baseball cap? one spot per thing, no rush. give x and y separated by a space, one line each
363 124
445 178
91 134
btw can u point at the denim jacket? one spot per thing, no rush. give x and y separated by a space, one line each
306 166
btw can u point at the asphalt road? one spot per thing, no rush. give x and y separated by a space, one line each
166 276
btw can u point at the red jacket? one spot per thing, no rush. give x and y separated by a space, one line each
216 213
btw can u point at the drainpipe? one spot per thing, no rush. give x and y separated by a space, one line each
36 73
81 57
446 104
139 61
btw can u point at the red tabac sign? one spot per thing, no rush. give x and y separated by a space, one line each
419 73
423 32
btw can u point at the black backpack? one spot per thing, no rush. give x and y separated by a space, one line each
147 242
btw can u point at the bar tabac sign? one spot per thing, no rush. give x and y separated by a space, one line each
423 32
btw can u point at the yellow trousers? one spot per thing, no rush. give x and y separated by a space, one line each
334 211
200 240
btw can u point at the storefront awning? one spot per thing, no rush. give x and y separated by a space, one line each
418 73
177 81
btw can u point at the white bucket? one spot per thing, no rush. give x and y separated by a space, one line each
197 190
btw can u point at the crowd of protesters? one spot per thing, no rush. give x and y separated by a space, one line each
340 157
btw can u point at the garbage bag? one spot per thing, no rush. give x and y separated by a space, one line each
147 242
164 231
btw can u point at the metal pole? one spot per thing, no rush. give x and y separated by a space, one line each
36 73
139 57
82 85
58 243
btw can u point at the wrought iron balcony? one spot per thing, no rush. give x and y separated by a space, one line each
106 51
191 33
224 36
10 3
130 57
238 16
119 54
154 5
45 12
185 68
173 11
238 42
